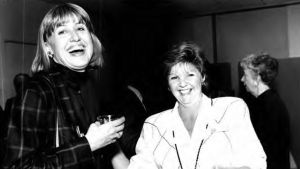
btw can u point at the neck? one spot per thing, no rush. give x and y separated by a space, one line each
190 110
261 88
188 115
185 108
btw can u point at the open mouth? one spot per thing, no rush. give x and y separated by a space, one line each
77 51
185 91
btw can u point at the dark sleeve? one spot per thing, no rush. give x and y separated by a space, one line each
276 134
276 121
135 115
32 129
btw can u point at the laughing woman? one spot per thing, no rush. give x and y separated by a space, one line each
50 126
199 132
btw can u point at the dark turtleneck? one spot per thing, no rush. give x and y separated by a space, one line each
82 90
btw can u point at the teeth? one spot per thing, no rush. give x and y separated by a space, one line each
76 50
185 91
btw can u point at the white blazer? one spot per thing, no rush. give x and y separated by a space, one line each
223 136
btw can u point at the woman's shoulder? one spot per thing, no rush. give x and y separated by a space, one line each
159 122
229 104
160 117
39 83
227 100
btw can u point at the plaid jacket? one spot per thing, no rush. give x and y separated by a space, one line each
32 126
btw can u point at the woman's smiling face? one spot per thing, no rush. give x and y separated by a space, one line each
71 43
185 82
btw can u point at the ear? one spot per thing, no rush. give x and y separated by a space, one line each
258 80
48 50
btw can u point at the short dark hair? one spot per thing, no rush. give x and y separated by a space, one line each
186 52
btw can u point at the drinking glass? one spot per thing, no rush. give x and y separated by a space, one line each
106 118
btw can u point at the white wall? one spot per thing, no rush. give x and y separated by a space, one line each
293 22
1 72
19 22
239 34
202 34
198 30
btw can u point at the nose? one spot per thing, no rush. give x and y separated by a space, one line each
74 36
182 82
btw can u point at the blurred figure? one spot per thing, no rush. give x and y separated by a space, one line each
199 132
50 126
134 106
2 114
20 80
2 117
129 102
268 112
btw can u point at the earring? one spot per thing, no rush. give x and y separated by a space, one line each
50 54
204 83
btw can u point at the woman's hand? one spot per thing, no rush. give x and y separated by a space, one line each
99 136
119 160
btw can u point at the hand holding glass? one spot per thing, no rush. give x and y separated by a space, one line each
102 119
100 135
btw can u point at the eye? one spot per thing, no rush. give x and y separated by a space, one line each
173 77
61 32
191 74
81 28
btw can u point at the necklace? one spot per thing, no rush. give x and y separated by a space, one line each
177 152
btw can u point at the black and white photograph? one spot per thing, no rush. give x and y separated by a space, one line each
149 84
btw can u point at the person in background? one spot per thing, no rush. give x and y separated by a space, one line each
269 114
199 132
133 104
130 103
19 82
50 126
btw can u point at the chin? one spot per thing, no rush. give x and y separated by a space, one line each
78 67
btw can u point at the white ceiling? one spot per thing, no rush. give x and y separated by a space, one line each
184 7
